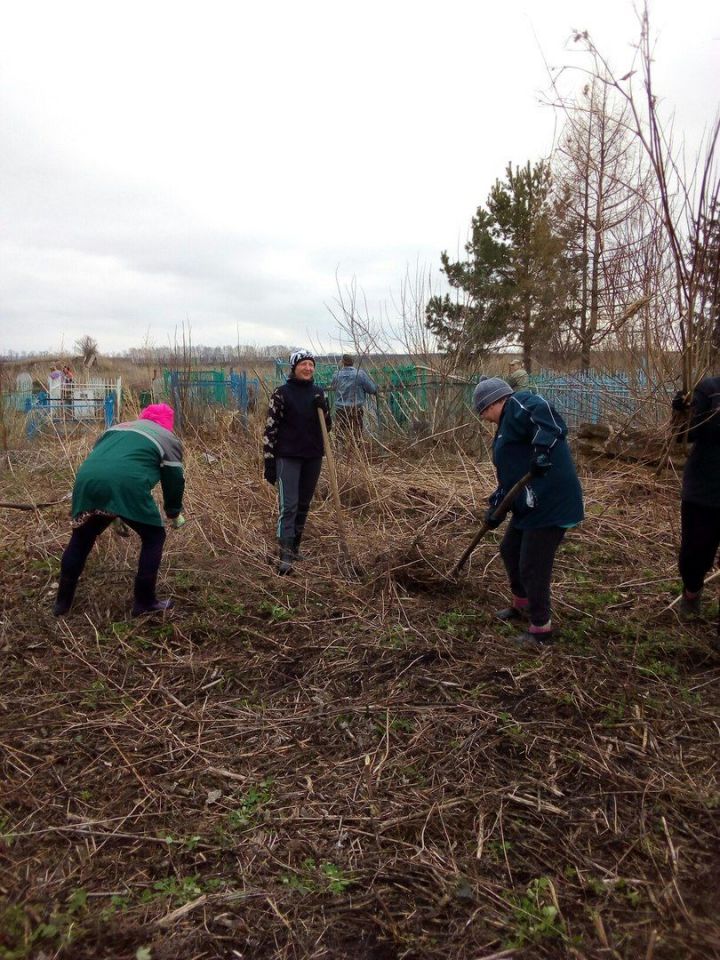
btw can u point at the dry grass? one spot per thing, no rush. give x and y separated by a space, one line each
328 767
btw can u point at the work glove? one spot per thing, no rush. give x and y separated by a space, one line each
178 521
270 471
319 401
540 464
680 402
495 499
492 520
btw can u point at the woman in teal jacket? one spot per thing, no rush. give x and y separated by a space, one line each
116 480
530 438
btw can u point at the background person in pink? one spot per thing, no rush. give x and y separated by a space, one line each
116 480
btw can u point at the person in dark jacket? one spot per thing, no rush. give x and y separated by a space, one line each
700 498
115 481
293 451
530 438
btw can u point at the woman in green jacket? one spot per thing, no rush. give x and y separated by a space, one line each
116 480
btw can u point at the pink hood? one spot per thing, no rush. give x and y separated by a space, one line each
159 413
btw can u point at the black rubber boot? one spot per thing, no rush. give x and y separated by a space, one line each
65 595
690 608
513 614
297 556
145 599
287 555
534 641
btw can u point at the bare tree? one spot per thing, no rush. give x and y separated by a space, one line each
601 192
87 347
685 196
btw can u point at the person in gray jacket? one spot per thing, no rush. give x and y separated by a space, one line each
351 386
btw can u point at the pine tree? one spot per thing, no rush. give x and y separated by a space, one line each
509 289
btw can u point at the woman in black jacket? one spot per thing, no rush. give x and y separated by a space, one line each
700 504
293 451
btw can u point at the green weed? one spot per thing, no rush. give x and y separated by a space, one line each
535 915
498 849
614 713
313 878
457 623
223 605
179 889
21 935
396 638
661 669
7 837
95 694
250 805
397 723
275 612
509 726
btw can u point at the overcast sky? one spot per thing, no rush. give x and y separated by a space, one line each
224 162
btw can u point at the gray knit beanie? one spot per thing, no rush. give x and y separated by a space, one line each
488 391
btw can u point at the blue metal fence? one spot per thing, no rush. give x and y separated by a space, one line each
595 397
198 389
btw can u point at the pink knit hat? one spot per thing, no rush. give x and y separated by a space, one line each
159 413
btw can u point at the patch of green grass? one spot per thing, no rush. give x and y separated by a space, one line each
594 601
411 774
660 669
179 889
184 843
312 877
335 652
615 713
401 724
7 837
530 664
497 850
252 801
535 917
224 605
22 935
396 638
96 694
509 726
457 623
184 578
276 612
120 629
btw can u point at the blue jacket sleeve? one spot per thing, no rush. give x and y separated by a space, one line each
368 384
544 425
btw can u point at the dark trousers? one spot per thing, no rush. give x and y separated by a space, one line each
151 550
699 542
297 478
528 556
349 421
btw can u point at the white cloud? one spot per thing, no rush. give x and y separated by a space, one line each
222 162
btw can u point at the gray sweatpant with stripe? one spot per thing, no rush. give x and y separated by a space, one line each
297 478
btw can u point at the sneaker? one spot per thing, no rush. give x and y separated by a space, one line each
510 614
157 606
